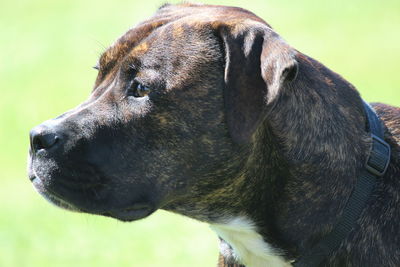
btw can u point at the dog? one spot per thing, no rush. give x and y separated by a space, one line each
207 112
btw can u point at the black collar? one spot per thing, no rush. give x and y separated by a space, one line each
375 167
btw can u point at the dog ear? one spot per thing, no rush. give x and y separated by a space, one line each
257 64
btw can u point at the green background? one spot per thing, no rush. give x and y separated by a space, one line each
47 49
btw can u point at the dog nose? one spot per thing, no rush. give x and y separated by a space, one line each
42 137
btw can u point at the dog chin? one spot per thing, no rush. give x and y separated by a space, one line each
130 214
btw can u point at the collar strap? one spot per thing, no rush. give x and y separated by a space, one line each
375 167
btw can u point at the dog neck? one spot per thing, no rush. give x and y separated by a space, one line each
324 141
293 180
303 167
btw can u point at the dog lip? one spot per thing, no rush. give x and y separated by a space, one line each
80 185
51 196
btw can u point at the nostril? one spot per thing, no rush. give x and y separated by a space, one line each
43 141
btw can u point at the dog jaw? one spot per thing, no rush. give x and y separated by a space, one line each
249 246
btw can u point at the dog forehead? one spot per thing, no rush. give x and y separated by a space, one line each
175 19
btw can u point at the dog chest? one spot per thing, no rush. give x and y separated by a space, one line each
248 245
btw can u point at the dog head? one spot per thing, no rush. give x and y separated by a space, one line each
171 119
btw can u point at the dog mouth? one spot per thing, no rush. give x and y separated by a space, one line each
51 196
132 213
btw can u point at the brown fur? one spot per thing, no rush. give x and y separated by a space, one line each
238 123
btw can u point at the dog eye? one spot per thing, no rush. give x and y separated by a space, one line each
137 89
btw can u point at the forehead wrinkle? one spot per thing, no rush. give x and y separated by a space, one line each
140 48
126 42
177 30
134 55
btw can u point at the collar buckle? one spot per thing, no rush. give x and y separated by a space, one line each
379 157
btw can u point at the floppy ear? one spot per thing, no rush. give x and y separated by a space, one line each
258 63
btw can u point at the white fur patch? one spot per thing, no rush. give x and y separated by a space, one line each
248 245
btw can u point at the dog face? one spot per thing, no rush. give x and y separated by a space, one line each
170 119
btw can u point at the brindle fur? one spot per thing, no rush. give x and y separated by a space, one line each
238 123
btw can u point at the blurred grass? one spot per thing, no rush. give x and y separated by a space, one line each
47 49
